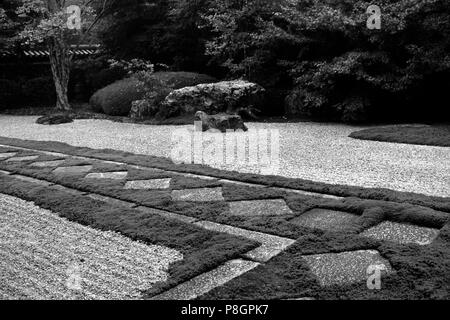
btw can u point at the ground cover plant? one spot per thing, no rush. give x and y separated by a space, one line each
436 135
419 270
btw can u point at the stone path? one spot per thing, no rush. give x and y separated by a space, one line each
329 269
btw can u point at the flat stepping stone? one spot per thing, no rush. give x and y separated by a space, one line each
148 184
7 155
118 175
45 164
198 195
270 245
328 220
345 267
205 282
20 159
401 233
275 207
72 170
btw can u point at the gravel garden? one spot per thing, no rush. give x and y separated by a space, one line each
246 150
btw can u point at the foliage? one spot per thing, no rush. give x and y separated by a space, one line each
132 66
10 94
116 99
341 69
39 91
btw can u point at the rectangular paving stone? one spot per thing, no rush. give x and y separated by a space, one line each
72 170
273 207
198 195
7 155
118 175
20 159
148 184
401 233
110 200
167 214
208 281
346 267
270 245
33 180
44 164
324 219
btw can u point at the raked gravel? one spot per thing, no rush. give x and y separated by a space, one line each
43 256
314 151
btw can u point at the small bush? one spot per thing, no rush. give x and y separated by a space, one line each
105 77
10 93
39 91
116 99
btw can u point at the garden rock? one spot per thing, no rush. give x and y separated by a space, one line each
158 86
221 122
232 97
54 119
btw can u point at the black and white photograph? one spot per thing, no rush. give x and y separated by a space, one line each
225 155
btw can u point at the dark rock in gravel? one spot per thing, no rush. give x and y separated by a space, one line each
221 122
54 119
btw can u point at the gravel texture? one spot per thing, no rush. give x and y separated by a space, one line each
274 207
314 151
402 233
344 267
43 256
148 184
198 195
326 220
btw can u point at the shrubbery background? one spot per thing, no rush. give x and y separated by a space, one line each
316 58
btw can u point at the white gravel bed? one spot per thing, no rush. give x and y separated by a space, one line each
314 151
44 256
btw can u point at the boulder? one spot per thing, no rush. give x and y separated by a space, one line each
54 119
221 122
231 97
158 85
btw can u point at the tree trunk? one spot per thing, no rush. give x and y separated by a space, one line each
60 65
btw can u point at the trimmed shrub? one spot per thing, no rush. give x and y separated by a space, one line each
105 77
116 99
39 91
10 94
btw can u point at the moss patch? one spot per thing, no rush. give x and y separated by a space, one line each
438 135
